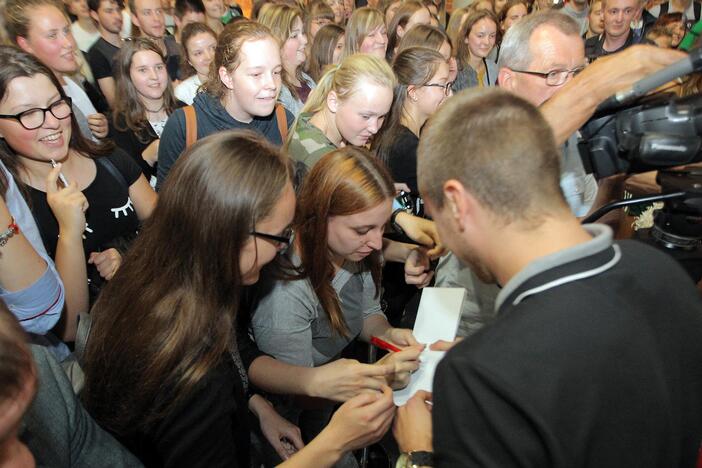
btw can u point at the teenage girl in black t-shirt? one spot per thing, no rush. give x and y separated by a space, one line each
146 101
86 207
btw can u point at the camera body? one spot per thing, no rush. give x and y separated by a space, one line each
657 134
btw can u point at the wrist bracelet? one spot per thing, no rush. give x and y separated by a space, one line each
394 223
12 229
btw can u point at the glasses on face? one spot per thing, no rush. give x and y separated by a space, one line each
283 241
555 77
448 87
31 119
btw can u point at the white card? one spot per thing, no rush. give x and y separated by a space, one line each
437 319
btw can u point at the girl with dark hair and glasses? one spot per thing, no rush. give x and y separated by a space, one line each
87 210
423 85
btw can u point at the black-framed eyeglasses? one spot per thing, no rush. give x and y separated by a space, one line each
31 119
284 240
448 87
554 77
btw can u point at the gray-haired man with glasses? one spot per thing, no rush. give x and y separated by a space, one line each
542 60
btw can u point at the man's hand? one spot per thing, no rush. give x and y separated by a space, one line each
412 428
574 103
443 345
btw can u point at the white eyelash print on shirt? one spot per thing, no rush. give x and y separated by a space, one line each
123 209
87 229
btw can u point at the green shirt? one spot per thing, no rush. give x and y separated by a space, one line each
308 143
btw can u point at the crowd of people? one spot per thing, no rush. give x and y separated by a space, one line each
209 209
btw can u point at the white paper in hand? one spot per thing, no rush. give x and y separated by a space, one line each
437 319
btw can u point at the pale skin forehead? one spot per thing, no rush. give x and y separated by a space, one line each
621 4
551 48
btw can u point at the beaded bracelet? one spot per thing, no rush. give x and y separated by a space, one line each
12 229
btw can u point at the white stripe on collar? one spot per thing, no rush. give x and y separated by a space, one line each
570 278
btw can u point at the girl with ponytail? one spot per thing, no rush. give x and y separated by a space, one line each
347 107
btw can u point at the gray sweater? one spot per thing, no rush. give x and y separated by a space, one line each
290 324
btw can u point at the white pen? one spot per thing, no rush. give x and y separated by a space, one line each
62 177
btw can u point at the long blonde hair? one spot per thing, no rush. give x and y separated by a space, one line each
362 22
279 18
344 80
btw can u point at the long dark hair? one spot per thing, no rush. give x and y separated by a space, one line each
462 50
322 50
129 110
401 18
165 320
346 181
15 63
413 66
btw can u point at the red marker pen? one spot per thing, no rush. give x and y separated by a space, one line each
384 344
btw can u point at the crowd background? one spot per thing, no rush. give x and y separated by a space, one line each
212 207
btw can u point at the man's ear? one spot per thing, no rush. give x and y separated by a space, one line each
94 15
332 102
506 77
455 201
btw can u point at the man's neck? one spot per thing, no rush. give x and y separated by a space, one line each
516 247
612 44
680 5
86 24
113 38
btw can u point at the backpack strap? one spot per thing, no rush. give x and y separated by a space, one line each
282 120
114 172
697 7
190 126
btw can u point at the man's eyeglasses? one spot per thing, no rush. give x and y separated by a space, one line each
555 77
448 87
284 240
31 119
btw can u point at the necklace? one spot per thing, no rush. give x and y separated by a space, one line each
163 104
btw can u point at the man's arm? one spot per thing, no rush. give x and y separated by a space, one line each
575 103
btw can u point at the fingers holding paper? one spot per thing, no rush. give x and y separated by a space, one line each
403 363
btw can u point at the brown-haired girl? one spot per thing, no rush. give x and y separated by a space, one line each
199 44
343 207
327 49
433 38
146 102
423 85
366 33
285 22
475 42
38 129
241 92
410 13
